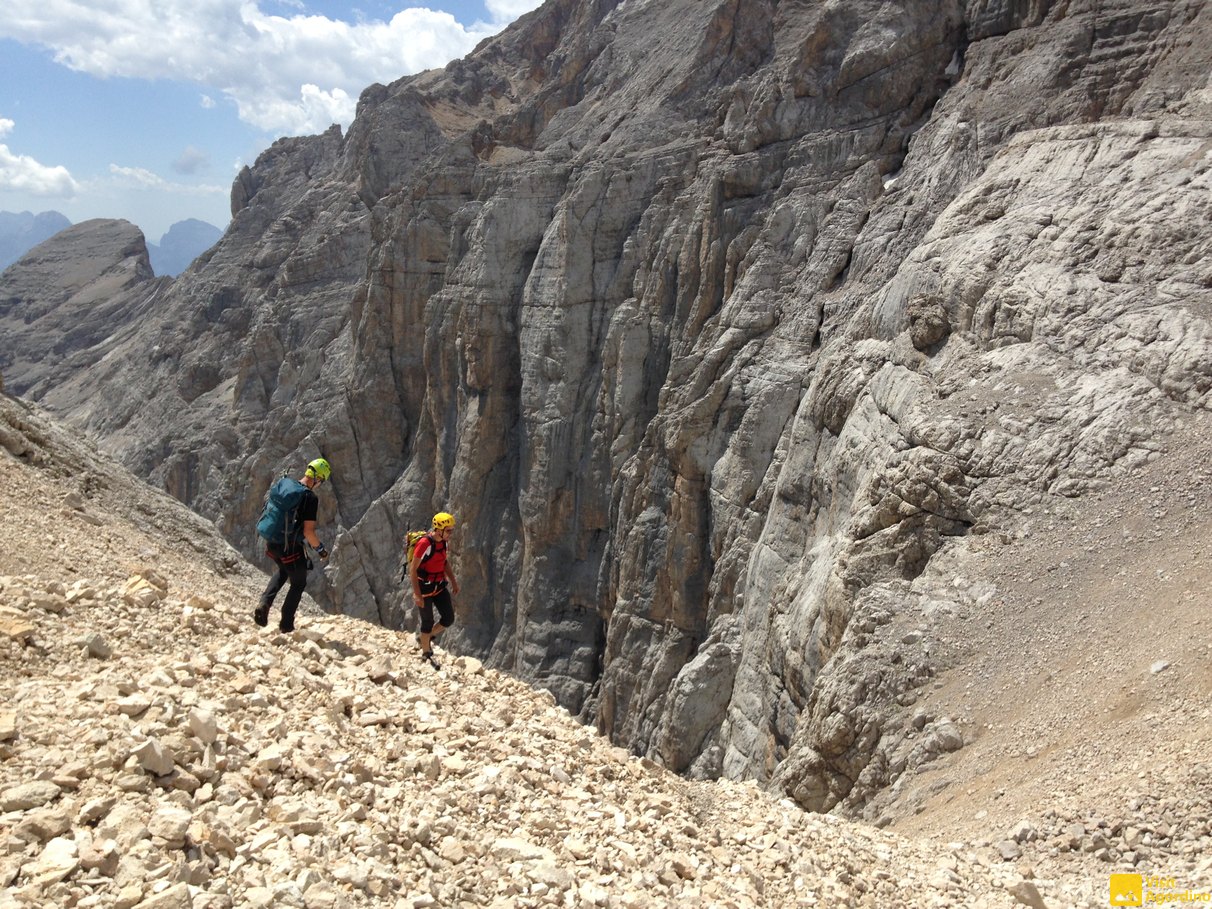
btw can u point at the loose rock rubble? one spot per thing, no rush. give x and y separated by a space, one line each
194 760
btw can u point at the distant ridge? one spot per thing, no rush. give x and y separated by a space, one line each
184 242
22 231
178 247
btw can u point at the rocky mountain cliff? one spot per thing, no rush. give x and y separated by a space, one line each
61 301
722 327
178 247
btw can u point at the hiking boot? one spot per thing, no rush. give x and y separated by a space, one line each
261 615
286 627
427 655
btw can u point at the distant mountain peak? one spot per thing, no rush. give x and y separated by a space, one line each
22 231
181 244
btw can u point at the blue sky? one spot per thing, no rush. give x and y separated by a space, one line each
147 109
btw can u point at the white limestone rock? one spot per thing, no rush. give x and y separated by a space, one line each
29 795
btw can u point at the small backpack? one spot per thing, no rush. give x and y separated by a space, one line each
410 548
279 524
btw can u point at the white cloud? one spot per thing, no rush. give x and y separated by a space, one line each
191 161
137 176
141 178
285 74
21 173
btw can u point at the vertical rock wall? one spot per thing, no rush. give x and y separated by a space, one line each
713 323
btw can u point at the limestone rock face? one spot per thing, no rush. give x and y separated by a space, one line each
714 324
67 294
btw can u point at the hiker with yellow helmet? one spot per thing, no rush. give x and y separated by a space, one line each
431 576
289 518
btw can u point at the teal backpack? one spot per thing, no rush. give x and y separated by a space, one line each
279 524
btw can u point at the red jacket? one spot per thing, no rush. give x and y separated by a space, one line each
430 558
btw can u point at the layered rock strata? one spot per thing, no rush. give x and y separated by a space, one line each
714 323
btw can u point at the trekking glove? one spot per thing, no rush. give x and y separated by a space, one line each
322 552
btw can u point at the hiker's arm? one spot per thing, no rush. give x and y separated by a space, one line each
416 580
309 534
454 585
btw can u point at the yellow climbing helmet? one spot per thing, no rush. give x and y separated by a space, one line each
319 469
443 521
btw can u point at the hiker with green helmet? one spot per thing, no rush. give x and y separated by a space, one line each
288 519
432 581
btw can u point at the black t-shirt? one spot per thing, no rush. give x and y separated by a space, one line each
309 506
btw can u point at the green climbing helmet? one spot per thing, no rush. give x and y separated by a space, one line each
319 469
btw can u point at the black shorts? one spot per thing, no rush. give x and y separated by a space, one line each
439 601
